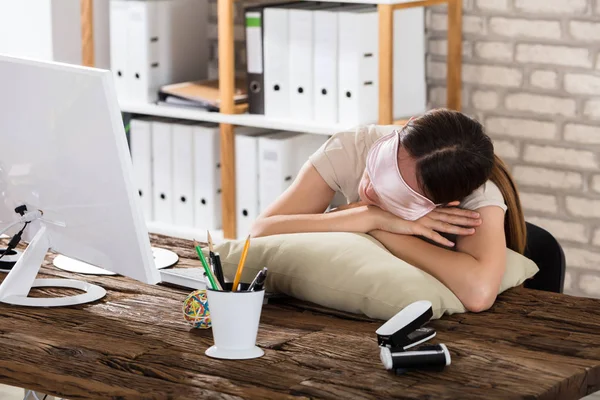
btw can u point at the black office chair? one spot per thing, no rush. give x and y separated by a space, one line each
543 249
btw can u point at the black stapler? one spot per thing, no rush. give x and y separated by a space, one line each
404 331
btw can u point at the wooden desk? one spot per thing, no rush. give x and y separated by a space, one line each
135 344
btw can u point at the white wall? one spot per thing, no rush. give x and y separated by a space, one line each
51 30
25 28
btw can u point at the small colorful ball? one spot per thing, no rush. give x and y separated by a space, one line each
195 310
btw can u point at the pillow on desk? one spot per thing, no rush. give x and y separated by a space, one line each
351 272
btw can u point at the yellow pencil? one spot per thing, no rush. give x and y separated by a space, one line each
240 268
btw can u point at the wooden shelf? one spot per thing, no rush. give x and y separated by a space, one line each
258 121
228 118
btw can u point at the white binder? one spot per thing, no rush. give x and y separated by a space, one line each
143 55
162 171
140 138
410 89
358 100
119 19
278 165
277 59
246 181
207 180
301 36
162 42
325 88
183 174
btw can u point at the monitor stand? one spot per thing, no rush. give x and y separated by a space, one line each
163 258
19 281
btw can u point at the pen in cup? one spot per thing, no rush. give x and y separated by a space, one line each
215 260
213 283
259 280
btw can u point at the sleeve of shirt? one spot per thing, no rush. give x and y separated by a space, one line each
329 160
486 195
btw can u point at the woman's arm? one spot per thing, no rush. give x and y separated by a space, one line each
300 209
473 272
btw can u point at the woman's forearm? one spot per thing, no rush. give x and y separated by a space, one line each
359 219
460 272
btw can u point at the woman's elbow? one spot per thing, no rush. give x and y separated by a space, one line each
257 229
481 298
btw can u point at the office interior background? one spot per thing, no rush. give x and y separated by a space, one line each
530 74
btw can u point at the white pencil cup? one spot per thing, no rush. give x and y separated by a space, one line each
234 318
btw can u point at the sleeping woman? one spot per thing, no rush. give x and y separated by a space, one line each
435 178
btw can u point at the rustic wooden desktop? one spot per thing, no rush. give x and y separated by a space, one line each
135 344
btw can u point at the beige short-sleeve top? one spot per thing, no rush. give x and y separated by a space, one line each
341 163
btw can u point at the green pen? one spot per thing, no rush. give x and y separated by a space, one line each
211 278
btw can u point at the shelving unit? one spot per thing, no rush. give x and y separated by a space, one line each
259 121
228 118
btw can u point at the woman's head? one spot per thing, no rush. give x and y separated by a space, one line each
435 159
442 156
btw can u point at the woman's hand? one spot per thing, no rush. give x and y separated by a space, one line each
452 220
445 219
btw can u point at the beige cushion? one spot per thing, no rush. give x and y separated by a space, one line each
351 272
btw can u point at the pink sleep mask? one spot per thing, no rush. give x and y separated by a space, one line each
395 195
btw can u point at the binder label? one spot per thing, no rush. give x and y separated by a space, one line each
254 42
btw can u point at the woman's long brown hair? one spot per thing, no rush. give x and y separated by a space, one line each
514 221
454 157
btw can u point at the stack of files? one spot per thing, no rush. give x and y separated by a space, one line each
276 34
183 172
140 142
281 157
187 174
325 61
316 61
247 207
162 171
204 94
153 43
358 67
207 177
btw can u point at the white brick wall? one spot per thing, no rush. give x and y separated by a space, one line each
485 99
541 104
562 230
585 30
552 6
492 5
560 156
582 207
523 128
553 55
547 178
494 51
544 79
507 149
592 109
582 83
588 134
539 202
517 27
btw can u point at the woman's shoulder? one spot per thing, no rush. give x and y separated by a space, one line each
487 194
360 137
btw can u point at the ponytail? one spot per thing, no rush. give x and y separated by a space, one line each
514 221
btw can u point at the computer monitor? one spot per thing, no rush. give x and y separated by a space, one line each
63 151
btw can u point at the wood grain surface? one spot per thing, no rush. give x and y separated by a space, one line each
135 344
